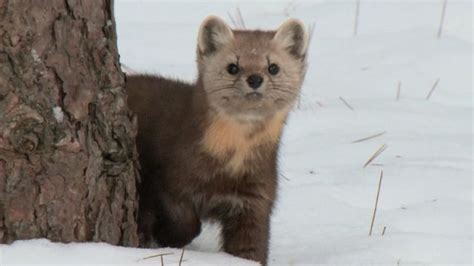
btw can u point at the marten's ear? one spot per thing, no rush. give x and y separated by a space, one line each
213 35
293 36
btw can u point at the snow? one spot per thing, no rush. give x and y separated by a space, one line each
58 113
326 196
43 252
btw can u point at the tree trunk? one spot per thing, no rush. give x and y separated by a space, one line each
68 162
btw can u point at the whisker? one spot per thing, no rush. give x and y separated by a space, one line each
221 89
224 79
283 90
285 84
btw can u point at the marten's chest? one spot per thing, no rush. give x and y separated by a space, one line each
238 146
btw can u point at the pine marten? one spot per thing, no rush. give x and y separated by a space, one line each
208 150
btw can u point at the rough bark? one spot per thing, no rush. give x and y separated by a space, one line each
68 162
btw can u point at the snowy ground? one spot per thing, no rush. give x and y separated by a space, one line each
326 196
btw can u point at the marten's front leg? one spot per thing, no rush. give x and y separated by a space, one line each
177 224
246 234
168 221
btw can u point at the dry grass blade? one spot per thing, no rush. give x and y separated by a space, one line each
369 137
399 89
311 32
383 231
376 154
356 17
432 89
241 19
181 258
290 7
377 164
286 178
443 11
157 255
376 203
346 103
232 20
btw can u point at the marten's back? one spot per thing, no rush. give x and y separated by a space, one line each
161 106
166 97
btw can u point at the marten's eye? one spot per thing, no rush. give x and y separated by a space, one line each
273 69
233 69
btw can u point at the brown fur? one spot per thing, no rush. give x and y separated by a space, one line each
208 151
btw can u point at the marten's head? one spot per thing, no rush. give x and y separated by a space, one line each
251 75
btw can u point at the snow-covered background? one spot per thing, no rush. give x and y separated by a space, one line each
327 197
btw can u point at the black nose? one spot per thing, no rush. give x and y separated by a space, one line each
254 81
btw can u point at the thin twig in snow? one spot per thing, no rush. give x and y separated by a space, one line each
383 231
311 32
399 89
181 258
162 262
443 12
356 17
370 137
232 20
376 203
346 103
432 89
291 6
377 153
241 19
377 164
286 178
157 255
